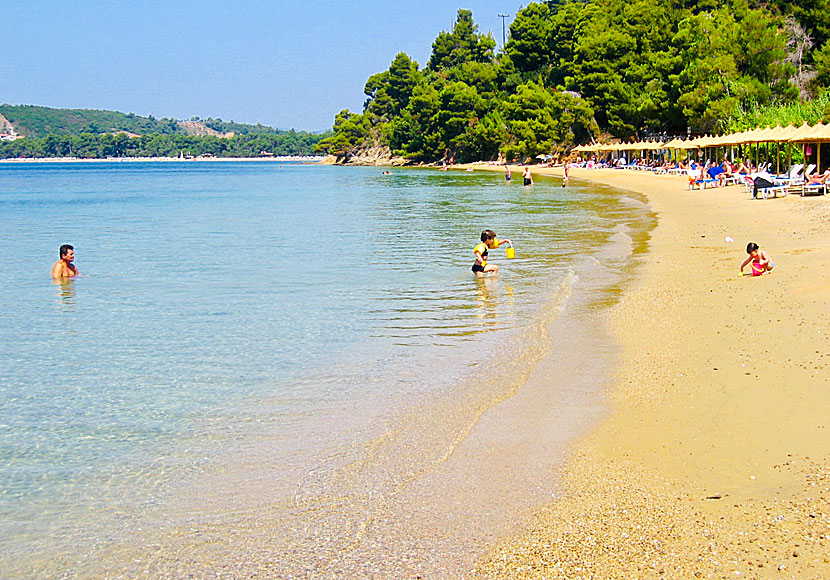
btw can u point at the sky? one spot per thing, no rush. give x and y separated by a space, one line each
279 63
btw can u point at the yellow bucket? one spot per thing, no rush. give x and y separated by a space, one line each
511 253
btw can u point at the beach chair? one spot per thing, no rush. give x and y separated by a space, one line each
763 186
814 189
697 181
798 182
795 172
791 180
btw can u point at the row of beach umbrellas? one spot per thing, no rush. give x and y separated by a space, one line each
804 134
818 133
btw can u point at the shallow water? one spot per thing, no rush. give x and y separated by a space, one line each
289 367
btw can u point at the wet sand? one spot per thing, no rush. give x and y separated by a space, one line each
714 460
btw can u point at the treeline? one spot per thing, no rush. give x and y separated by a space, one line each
90 146
576 69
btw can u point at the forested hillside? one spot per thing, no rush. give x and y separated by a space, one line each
577 69
37 122
98 134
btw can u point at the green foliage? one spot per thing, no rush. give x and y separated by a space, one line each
463 44
822 61
540 121
530 33
388 92
236 128
795 113
350 131
417 134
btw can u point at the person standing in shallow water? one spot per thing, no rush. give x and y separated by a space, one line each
527 176
64 268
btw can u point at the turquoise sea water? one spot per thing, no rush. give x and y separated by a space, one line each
297 352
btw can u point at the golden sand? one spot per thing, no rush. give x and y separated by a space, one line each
714 461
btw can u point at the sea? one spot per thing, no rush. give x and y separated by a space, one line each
288 370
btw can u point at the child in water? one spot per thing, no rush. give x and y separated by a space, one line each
488 242
761 262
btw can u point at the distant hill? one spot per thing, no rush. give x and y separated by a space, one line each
37 122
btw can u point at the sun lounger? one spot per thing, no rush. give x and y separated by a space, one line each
763 186
698 182
814 189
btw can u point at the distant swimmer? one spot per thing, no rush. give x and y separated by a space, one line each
508 175
567 176
64 268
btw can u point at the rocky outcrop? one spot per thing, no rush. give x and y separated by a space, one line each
377 155
199 129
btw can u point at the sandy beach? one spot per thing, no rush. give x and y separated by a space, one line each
714 460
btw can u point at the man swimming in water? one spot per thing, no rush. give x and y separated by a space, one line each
64 268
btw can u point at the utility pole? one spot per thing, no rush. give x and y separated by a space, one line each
503 37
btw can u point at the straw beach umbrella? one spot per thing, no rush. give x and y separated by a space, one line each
818 133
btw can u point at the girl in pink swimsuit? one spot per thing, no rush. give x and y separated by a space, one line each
761 262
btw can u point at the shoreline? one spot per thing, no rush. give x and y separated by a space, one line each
713 459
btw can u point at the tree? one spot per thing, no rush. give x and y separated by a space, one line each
417 132
733 57
540 121
463 44
388 92
459 104
350 130
530 32
799 44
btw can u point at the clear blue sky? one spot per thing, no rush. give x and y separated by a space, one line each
280 63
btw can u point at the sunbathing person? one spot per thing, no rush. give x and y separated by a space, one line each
819 178
716 172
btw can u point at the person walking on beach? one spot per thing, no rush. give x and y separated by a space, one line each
488 242
761 262
567 176
64 268
527 176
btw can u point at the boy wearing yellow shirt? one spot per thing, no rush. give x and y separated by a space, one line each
488 242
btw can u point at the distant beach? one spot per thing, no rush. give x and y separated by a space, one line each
714 461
